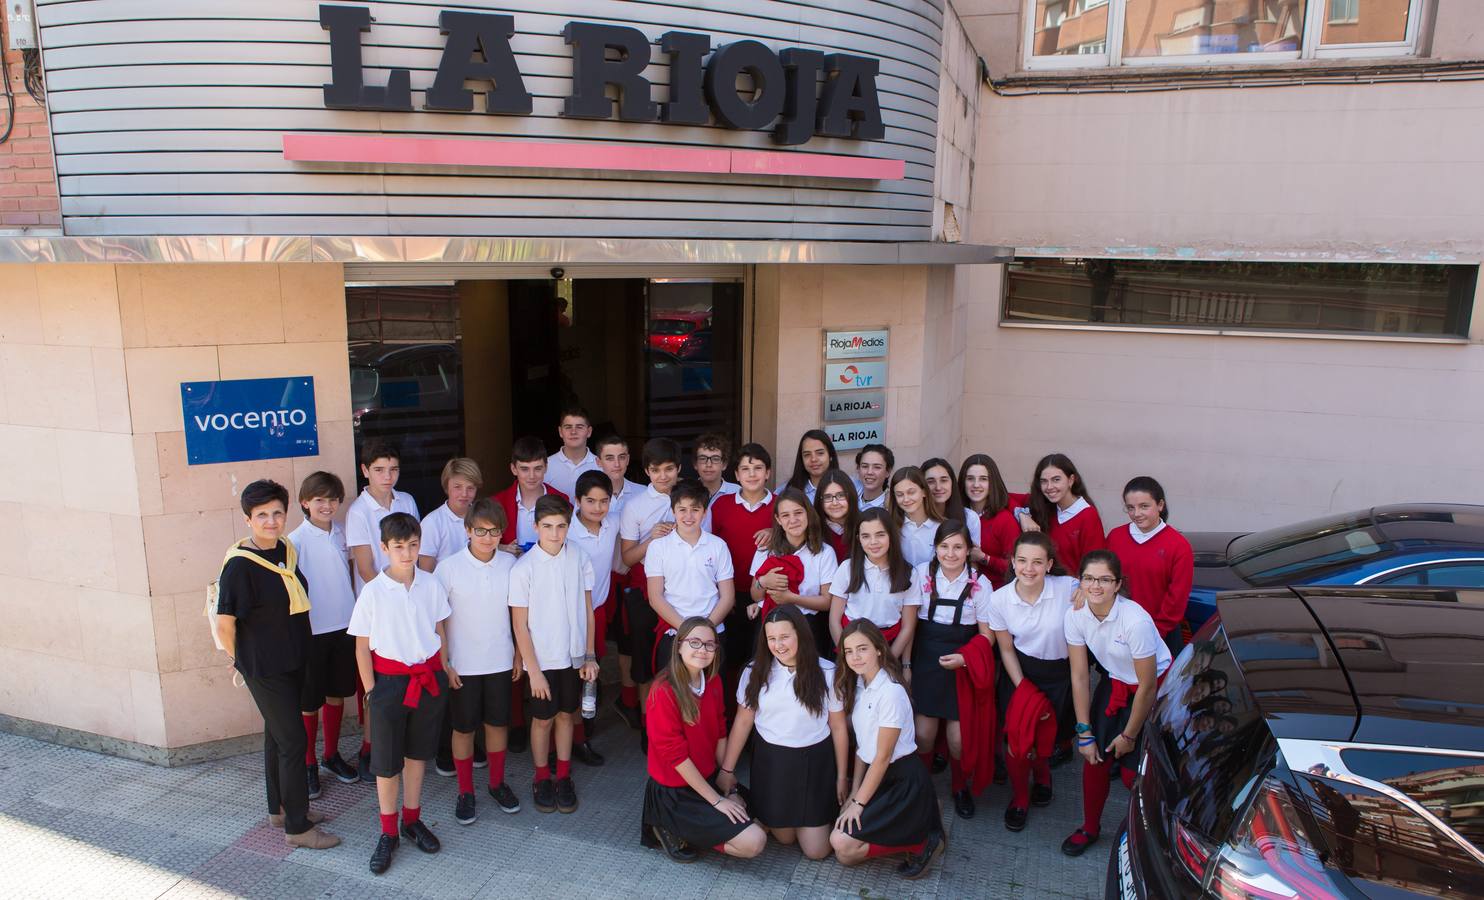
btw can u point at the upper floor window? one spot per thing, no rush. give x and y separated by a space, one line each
1083 33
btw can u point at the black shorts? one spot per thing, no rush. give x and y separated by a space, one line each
399 731
566 694
620 625
483 700
330 670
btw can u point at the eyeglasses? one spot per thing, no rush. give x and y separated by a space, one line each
836 497
485 532
711 460
698 644
1099 580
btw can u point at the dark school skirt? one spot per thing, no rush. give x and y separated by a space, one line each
1054 679
1105 727
683 813
793 787
934 688
904 809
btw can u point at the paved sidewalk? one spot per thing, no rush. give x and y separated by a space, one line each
76 824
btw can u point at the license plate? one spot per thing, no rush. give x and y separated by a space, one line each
1125 871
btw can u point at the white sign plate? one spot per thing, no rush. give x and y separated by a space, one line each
846 406
855 344
854 376
856 434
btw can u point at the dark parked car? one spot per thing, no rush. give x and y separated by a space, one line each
1315 742
1435 544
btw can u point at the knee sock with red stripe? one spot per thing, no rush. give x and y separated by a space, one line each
874 851
464 769
497 767
311 730
1096 780
332 715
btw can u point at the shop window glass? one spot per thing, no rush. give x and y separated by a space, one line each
1071 27
1179 28
1360 298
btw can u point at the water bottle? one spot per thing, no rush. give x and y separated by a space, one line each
590 699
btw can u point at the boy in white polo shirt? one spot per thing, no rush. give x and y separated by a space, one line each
402 652
595 532
689 571
330 675
443 528
481 654
613 461
646 518
552 616
565 466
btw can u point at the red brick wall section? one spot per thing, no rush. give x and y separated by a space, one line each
28 183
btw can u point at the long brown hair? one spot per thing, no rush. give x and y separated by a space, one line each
1043 510
778 544
929 505
679 679
997 498
954 508
809 685
845 677
896 564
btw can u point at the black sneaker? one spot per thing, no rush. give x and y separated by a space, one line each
443 765
381 857
678 850
422 836
312 779
481 759
363 768
644 742
1041 795
337 766
963 804
939 763
463 809
1015 817
1077 842
587 754
519 740
544 795
629 714
917 865
505 798
566 795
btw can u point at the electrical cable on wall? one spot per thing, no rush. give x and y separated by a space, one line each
34 81
9 92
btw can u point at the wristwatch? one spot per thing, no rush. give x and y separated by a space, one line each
1083 728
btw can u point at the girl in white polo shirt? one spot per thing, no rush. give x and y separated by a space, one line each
796 532
916 513
786 702
875 583
1028 620
1122 637
891 808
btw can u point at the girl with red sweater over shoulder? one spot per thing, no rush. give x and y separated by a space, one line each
1061 508
683 809
981 490
838 507
1158 565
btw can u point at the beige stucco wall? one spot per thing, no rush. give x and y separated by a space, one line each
118 536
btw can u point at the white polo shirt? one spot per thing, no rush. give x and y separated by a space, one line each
975 526
562 473
917 540
878 503
875 600
780 719
552 589
882 704
401 623
949 589
479 639
1126 635
819 569
691 571
642 513
363 526
1037 629
810 489
599 549
525 521
323 558
443 534
629 491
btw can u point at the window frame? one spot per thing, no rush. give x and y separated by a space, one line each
1316 15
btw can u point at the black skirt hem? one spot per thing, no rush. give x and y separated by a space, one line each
793 787
683 813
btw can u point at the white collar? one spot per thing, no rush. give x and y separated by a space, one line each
649 491
579 527
702 691
479 562
1046 592
836 528
753 507
542 557
562 454
1142 536
1065 515
521 505
451 514
391 502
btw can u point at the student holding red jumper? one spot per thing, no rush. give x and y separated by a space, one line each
839 511
1061 509
795 533
875 583
689 571
1158 565
981 489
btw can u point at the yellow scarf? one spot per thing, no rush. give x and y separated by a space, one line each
298 597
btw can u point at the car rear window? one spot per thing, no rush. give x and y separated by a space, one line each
1300 553
1211 739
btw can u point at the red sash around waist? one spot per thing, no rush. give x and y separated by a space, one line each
420 676
890 634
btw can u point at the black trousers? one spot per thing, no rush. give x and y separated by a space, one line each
284 745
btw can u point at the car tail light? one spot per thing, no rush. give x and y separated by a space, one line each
1271 857
1192 851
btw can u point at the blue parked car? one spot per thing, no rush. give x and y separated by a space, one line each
1431 544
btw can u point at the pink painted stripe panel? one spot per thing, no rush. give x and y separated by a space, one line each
391 149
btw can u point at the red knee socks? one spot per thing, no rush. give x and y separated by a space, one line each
1019 772
1096 780
876 850
579 734
389 824
542 773
956 774
411 814
311 729
628 695
1041 768
1127 776
497 766
332 715
464 769
564 768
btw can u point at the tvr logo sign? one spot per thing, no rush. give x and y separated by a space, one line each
853 376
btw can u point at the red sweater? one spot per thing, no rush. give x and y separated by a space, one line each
506 499
997 534
672 742
1076 537
731 522
1157 574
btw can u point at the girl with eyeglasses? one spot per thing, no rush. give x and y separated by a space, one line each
891 808
875 584
982 492
1061 508
795 533
786 702
1121 636
838 508
916 513
684 811
1158 564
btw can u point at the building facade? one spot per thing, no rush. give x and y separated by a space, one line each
1230 244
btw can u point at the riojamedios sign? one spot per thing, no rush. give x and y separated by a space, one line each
477 49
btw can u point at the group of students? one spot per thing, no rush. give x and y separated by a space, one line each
943 596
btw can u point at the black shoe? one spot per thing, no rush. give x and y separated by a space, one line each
519 740
644 742
481 759
463 809
647 838
629 714
1015 817
917 864
505 798
678 850
963 804
587 754
337 766
422 836
312 779
1061 755
566 795
363 767
939 763
1041 795
381 857
443 765
1074 847
999 772
544 795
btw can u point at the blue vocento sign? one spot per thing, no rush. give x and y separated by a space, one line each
253 418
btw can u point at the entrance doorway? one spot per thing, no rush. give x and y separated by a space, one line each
463 368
